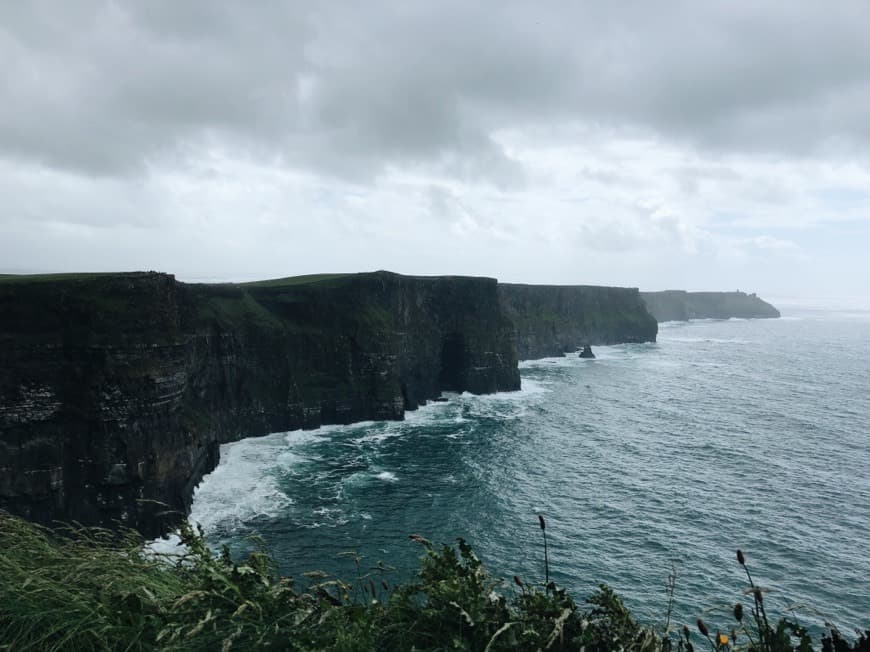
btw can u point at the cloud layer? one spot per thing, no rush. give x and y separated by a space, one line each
650 144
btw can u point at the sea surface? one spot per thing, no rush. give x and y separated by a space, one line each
649 460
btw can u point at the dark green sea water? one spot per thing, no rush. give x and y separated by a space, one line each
723 435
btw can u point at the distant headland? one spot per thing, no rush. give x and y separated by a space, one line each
679 305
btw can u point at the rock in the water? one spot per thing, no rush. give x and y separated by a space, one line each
587 352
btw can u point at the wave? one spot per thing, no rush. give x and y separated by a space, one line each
709 340
243 487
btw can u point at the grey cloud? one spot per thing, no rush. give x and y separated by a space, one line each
350 89
104 88
691 178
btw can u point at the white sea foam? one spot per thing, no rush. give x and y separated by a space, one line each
572 359
387 476
378 437
542 362
708 340
330 516
357 478
528 388
244 485
166 547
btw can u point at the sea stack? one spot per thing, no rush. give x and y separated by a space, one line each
587 352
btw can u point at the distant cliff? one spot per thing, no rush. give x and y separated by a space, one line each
116 390
678 305
552 319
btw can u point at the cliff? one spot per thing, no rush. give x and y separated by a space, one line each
552 319
678 305
116 390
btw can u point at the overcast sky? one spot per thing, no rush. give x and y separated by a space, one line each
699 145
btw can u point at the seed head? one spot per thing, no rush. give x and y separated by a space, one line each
542 522
758 596
740 558
703 628
518 581
686 633
738 612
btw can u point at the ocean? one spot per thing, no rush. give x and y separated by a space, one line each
650 460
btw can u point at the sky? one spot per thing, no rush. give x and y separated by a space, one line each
696 145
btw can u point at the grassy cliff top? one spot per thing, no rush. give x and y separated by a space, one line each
75 276
295 280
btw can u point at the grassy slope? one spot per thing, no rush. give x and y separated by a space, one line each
45 278
94 590
87 276
295 280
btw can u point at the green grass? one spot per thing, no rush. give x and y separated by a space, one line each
88 276
295 280
87 589
54 278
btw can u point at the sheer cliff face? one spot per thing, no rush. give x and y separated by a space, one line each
116 390
678 305
550 320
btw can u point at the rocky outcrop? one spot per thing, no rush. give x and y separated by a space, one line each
678 305
550 320
116 390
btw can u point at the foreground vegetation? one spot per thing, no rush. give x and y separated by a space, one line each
95 590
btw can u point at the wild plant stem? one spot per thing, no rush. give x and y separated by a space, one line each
758 610
543 525
546 562
672 582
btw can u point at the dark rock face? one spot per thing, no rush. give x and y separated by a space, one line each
116 390
678 305
552 319
586 352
